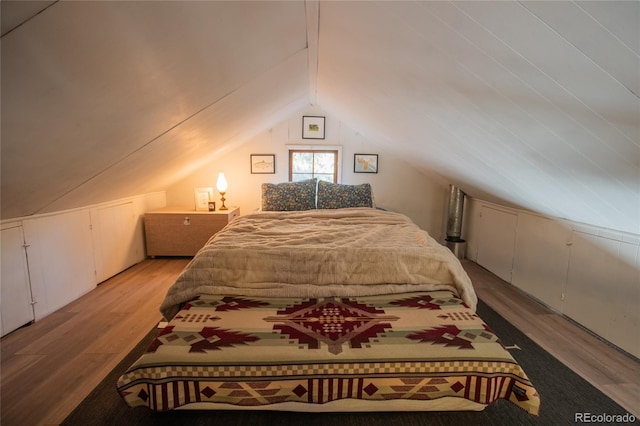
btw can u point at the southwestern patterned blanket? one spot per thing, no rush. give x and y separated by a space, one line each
260 351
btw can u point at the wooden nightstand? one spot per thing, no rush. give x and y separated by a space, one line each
172 231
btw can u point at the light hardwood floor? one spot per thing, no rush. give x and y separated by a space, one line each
50 366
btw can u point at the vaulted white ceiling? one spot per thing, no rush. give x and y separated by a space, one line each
532 104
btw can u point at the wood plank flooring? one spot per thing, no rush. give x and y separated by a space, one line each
49 367
613 372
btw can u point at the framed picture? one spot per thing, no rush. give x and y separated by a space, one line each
203 196
365 163
312 127
212 206
263 163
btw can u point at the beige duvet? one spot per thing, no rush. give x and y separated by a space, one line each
319 253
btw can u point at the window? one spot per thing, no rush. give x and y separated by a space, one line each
308 162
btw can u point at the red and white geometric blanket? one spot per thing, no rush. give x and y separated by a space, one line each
250 351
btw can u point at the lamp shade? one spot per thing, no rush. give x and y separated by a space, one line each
221 184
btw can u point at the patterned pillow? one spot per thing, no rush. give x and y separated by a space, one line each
337 196
289 196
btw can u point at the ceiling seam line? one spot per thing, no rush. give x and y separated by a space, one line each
586 12
29 19
315 97
560 86
579 50
149 142
312 21
152 140
498 63
549 101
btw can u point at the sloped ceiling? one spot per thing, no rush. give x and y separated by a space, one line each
102 100
530 104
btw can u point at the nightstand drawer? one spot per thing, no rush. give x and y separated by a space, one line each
174 232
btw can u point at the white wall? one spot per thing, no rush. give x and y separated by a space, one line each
397 186
590 274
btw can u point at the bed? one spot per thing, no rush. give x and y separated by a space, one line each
342 308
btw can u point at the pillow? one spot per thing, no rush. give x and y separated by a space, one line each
289 196
338 196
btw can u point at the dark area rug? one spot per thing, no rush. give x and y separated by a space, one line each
564 395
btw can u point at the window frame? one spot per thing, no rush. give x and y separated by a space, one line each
317 149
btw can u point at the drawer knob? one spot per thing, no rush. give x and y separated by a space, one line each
187 220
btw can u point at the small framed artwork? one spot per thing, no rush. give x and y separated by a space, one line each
365 163
212 206
312 127
263 163
203 196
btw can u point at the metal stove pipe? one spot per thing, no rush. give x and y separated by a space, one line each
454 217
